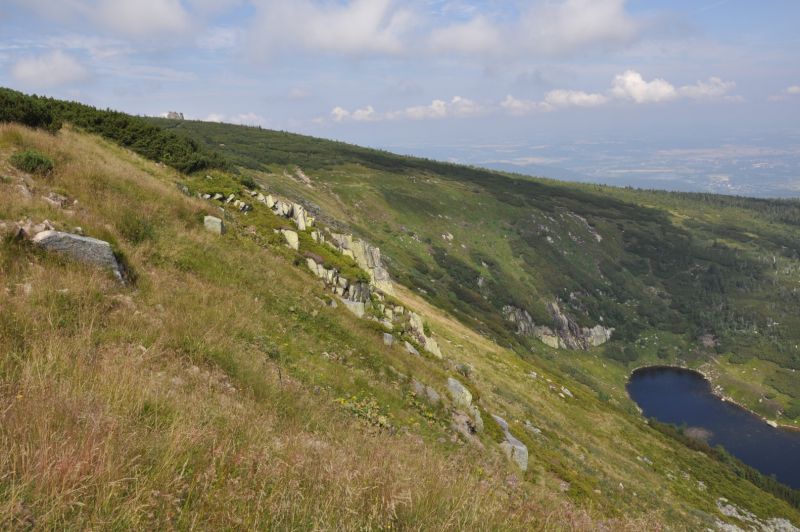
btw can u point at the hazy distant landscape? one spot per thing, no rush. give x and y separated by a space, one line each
746 166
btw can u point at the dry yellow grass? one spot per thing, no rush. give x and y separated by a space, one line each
161 406
155 406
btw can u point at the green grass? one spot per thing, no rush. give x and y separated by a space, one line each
671 265
221 391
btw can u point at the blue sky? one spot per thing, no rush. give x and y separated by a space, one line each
446 78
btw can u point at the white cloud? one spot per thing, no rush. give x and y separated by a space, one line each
457 107
142 18
244 119
478 35
519 107
787 93
545 28
340 114
632 86
367 114
353 27
628 86
568 98
571 25
54 68
133 18
713 88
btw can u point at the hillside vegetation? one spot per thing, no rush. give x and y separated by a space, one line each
693 279
220 389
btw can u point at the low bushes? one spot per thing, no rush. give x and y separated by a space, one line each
33 162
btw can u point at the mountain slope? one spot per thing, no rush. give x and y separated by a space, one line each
220 389
692 279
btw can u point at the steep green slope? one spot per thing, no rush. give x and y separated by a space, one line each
694 279
222 390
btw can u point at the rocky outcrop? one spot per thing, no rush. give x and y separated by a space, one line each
292 240
565 332
521 319
82 249
364 299
214 225
514 449
462 400
417 329
368 258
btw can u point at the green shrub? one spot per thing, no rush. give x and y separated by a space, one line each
27 110
32 161
135 228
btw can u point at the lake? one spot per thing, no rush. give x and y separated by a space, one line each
679 396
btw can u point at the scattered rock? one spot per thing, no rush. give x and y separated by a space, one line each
214 225
425 392
56 200
514 449
81 248
356 307
462 398
530 427
388 339
410 348
292 239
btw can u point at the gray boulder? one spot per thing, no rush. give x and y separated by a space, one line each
423 391
512 447
410 348
82 249
292 239
388 339
214 224
462 398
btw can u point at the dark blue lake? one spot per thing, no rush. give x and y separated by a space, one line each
678 396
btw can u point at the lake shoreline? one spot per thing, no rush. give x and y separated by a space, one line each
713 389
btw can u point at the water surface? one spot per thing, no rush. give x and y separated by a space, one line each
683 397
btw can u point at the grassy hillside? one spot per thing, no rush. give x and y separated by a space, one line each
220 390
664 269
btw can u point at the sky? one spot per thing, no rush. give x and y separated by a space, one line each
682 94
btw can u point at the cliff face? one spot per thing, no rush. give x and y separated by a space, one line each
565 332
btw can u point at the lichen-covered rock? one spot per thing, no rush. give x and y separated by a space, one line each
367 257
214 225
462 398
514 449
356 307
82 249
291 238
